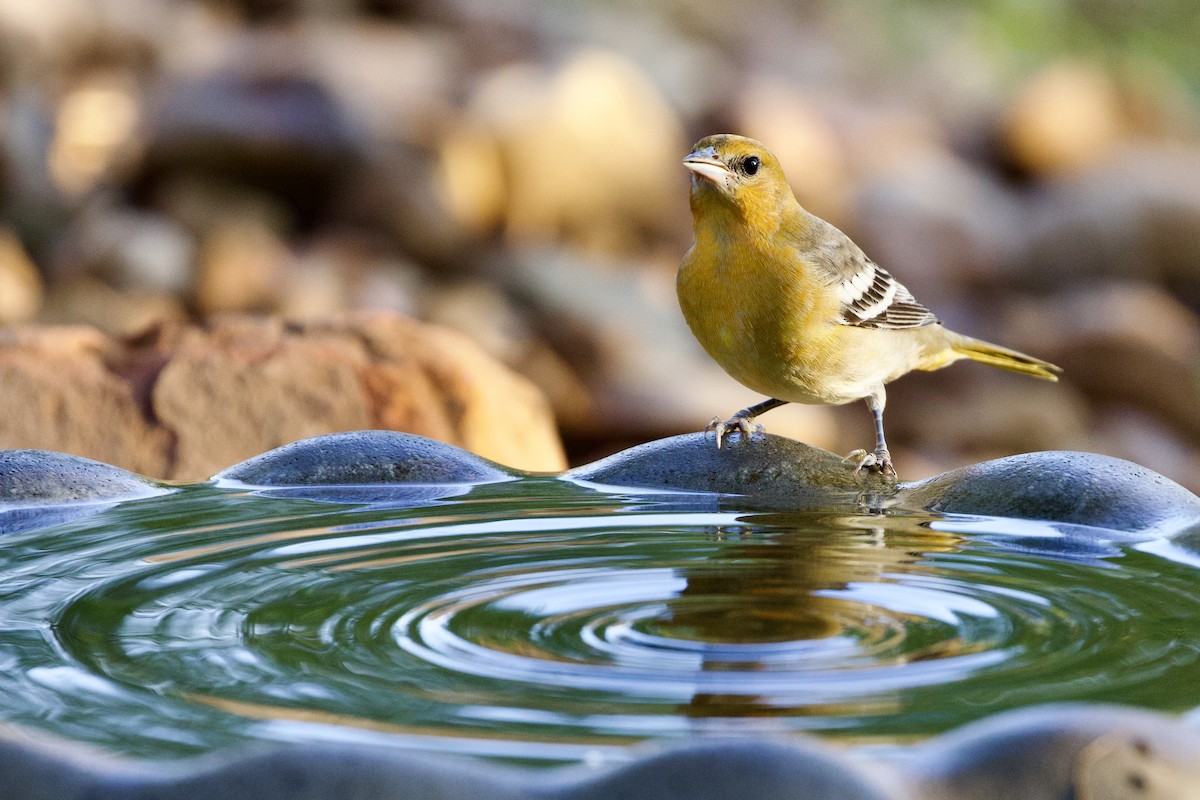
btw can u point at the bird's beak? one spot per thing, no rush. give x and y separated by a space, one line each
704 162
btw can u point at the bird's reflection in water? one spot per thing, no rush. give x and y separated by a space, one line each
773 601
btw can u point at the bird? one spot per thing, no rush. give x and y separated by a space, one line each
792 308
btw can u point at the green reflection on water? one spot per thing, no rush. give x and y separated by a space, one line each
542 621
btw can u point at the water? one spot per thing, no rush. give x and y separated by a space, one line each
543 622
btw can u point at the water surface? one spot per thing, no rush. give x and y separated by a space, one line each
546 622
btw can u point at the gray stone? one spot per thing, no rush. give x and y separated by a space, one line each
365 457
1078 489
800 770
43 488
1058 752
709 771
764 468
47 477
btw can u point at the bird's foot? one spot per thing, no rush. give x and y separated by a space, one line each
737 422
879 461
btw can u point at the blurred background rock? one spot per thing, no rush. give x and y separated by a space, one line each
510 168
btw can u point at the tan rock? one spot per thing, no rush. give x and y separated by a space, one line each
802 138
970 413
184 403
242 267
547 154
60 393
1122 343
20 283
1066 118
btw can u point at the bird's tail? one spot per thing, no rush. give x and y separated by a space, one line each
997 356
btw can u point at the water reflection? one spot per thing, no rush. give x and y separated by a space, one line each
543 620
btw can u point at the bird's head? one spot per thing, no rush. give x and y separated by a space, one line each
735 171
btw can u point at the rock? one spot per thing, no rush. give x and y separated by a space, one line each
708 771
182 403
128 249
938 223
1134 217
242 266
52 770
528 127
1043 753
1076 489
44 476
803 140
483 407
95 126
88 301
20 282
765 468
1068 117
61 393
40 488
1054 752
365 457
625 336
259 125
1137 436
1101 339
970 413
394 79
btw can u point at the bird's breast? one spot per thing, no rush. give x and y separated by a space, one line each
754 313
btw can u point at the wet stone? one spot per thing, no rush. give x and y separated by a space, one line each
1041 753
41 488
1059 751
765 467
730 769
712 771
365 457
47 477
1073 488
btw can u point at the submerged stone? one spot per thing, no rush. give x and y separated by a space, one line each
1080 489
365 457
763 466
48 477
1059 751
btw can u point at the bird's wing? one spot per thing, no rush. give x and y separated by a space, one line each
870 296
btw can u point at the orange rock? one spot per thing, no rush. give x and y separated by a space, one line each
184 403
1067 118
60 394
20 283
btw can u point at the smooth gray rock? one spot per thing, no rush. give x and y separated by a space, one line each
712 770
1082 489
1057 752
1061 752
730 770
45 476
763 467
365 457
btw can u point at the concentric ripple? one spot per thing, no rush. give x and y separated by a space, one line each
546 622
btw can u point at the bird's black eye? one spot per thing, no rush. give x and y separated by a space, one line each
750 165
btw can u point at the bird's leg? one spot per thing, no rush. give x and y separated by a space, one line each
741 420
881 460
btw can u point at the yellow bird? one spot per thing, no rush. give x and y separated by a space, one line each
790 307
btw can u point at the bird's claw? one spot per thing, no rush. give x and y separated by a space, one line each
735 423
879 462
